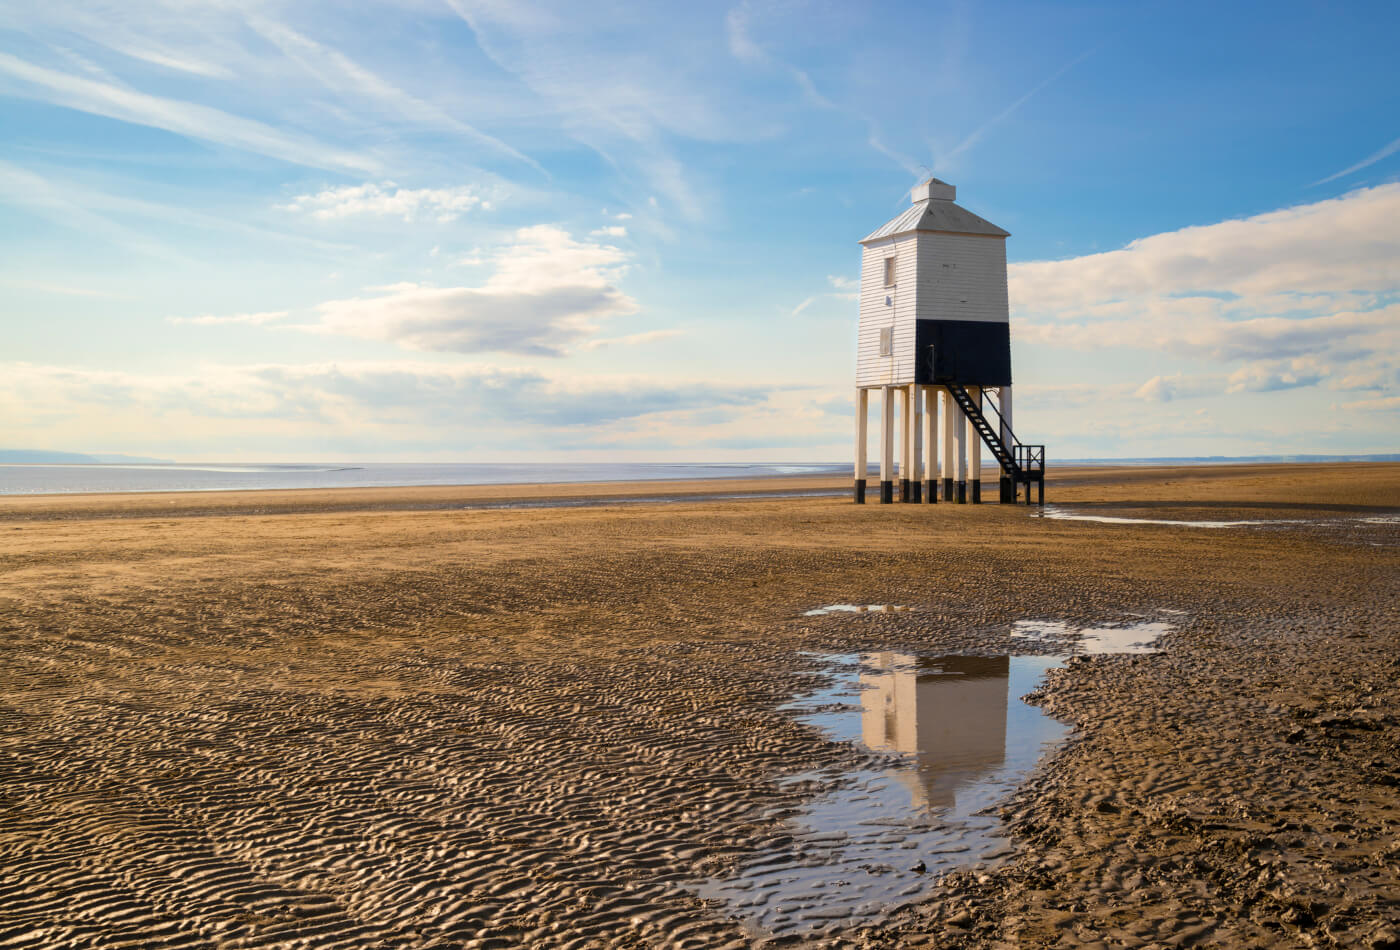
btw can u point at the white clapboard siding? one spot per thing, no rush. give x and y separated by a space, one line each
872 369
949 265
961 277
897 314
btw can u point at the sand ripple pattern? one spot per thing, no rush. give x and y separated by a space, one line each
510 804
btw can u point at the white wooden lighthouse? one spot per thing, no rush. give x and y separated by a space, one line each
934 339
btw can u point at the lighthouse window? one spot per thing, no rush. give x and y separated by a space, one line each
887 341
889 272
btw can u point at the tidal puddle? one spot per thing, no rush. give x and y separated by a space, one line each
1063 514
957 739
1139 637
1372 530
853 609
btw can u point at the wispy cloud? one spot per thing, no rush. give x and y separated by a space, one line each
125 221
844 288
251 319
633 339
183 118
745 48
948 159
1366 162
634 84
339 72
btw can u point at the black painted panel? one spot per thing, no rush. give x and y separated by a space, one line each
970 352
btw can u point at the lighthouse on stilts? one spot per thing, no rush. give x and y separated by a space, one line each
934 343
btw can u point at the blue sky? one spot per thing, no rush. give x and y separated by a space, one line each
441 229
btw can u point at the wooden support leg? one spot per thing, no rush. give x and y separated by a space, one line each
950 410
886 445
916 443
974 458
930 397
862 442
960 432
903 393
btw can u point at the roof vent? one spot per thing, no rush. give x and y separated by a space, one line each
934 189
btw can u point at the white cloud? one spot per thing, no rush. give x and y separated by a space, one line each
1296 296
1169 388
1341 245
547 291
615 231
388 199
845 288
386 405
1272 375
1381 404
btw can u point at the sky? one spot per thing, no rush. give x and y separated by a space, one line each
441 230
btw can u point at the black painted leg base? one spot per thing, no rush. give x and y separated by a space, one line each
916 491
886 493
962 493
904 490
1008 493
947 489
860 492
930 491
977 493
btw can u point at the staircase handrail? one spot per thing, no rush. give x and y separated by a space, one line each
1002 425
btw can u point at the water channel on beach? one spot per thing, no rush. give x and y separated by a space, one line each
950 737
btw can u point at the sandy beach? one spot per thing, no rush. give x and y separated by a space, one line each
422 718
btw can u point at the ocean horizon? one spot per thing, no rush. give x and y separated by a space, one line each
25 478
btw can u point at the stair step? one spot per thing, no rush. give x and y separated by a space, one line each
991 435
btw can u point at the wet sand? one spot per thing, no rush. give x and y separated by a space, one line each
391 717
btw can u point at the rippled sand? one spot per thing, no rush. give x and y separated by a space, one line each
386 718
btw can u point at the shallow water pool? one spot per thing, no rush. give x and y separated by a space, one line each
958 740
955 739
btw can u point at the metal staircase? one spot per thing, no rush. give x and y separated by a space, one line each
1020 463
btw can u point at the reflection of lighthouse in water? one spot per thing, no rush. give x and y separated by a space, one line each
948 713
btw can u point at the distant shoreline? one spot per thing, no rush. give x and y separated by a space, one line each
20 479
36 506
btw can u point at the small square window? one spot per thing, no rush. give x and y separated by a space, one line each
889 272
887 341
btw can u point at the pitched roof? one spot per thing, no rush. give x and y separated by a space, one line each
935 215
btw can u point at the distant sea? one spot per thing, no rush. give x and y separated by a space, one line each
34 479
44 479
